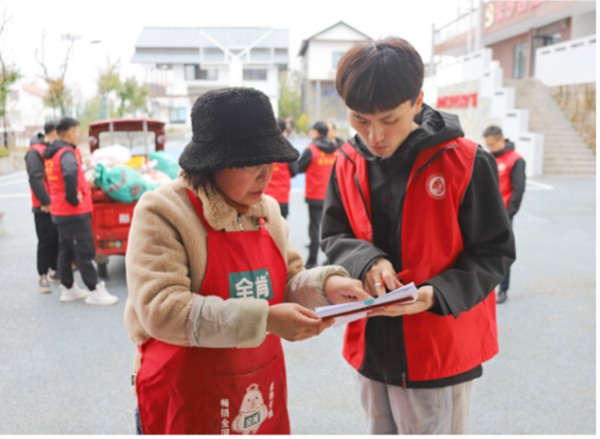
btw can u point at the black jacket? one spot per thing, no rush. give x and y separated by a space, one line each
34 163
488 241
305 160
70 169
517 178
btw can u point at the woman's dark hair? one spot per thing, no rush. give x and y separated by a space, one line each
379 75
205 180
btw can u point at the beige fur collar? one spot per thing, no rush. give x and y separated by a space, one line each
221 215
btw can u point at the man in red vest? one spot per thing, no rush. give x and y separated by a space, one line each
511 173
47 247
410 195
317 161
71 210
280 185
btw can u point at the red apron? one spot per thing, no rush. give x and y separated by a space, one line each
191 390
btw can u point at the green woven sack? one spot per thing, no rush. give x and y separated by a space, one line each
122 183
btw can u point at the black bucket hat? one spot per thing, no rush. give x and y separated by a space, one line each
233 128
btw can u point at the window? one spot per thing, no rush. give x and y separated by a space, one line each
255 74
190 71
335 59
519 60
177 114
193 72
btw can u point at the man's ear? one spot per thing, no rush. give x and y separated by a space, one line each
419 101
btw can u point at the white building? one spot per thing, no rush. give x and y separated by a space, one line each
320 54
26 112
183 63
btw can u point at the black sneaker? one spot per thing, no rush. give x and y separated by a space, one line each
501 296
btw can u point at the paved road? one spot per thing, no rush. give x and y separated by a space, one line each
64 368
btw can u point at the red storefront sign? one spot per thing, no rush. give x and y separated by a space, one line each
498 11
457 101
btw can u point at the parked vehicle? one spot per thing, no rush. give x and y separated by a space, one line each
111 219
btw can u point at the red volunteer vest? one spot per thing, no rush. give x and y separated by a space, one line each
59 206
318 172
191 390
436 346
505 163
39 148
280 184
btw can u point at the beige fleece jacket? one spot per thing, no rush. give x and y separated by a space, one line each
166 262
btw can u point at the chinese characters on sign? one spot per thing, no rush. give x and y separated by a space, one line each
250 284
498 11
457 101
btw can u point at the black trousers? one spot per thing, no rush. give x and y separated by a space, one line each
285 209
47 247
76 241
315 212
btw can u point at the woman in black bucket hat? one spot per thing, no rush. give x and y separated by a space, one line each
211 272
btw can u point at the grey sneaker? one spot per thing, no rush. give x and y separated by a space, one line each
44 285
100 296
53 276
73 293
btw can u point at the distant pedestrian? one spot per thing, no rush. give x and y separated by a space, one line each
71 209
332 135
47 234
511 173
280 185
317 161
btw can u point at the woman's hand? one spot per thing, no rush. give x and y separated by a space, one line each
339 289
424 301
381 275
293 322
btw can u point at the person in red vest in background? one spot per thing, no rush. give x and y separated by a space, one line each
511 174
412 200
317 161
71 210
47 247
280 184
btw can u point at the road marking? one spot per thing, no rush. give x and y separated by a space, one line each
13 175
10 183
15 195
537 186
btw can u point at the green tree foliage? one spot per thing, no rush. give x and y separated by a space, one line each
8 76
132 97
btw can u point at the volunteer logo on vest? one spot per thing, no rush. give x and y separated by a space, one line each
248 284
436 186
501 167
253 411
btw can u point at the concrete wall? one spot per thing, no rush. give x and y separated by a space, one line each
571 62
578 101
472 119
583 25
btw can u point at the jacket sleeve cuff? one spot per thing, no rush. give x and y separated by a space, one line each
236 323
306 288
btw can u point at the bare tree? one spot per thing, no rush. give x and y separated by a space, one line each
59 96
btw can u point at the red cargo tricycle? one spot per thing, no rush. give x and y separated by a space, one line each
111 219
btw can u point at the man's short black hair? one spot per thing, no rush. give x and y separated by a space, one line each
65 124
281 124
493 131
375 76
49 126
321 128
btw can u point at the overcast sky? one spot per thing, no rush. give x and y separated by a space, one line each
118 23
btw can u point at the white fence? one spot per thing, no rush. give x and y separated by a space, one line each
571 62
